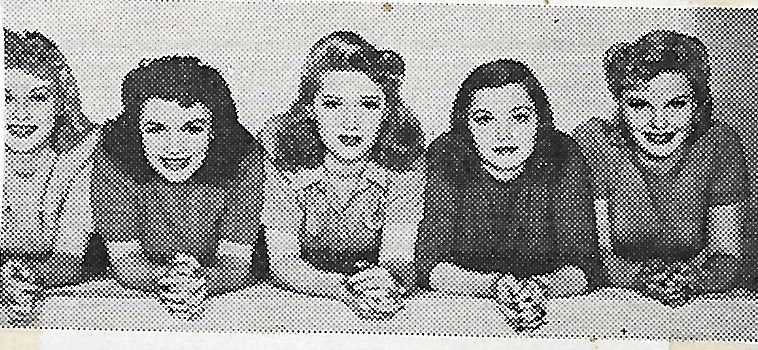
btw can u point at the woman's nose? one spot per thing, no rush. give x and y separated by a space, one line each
19 111
504 130
659 121
176 143
352 120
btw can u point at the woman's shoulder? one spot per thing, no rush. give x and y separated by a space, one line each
592 132
567 144
447 151
267 133
253 154
409 178
573 166
446 142
73 166
722 135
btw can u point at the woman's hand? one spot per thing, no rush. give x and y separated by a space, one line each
522 302
183 290
374 293
670 284
20 292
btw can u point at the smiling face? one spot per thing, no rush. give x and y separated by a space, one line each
659 113
31 109
349 109
175 139
503 122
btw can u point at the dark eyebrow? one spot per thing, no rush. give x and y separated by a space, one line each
479 110
637 99
197 120
36 89
528 108
153 122
333 97
371 97
680 97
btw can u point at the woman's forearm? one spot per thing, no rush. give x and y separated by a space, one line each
717 273
229 274
450 278
137 272
404 273
566 281
295 273
57 270
622 273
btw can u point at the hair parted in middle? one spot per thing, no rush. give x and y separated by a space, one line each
400 141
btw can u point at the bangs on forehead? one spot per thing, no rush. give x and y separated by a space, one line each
639 80
39 69
185 103
182 98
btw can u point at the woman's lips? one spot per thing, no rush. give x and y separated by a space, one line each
350 140
175 164
505 150
21 130
659 138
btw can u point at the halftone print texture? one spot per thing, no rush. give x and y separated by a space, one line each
431 169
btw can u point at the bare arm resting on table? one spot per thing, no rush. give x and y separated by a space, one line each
294 273
565 281
451 278
718 265
232 270
133 269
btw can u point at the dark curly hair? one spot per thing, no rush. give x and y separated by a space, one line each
400 140
661 51
37 55
187 81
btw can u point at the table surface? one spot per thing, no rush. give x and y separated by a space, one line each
606 313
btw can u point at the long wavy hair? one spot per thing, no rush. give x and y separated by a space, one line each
187 81
39 56
399 142
627 65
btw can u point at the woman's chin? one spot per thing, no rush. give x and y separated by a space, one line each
659 151
21 146
350 156
176 176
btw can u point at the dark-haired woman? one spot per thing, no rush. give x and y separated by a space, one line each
178 186
344 195
671 179
48 148
508 203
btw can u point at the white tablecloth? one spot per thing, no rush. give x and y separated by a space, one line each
607 313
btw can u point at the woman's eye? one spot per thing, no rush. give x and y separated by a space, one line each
482 118
8 97
153 129
195 129
678 104
331 104
372 105
38 97
522 117
637 104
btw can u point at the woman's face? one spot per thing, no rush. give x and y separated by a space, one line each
175 139
31 106
349 109
503 122
659 113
